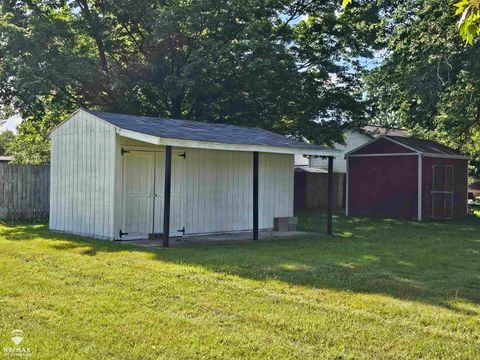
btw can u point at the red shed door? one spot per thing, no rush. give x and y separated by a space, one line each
442 192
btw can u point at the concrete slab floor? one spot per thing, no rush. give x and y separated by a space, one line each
226 238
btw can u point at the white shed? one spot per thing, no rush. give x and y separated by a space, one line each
113 175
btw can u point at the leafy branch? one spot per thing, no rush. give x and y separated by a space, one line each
469 23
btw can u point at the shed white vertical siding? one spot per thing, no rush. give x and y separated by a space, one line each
220 190
82 173
353 139
276 174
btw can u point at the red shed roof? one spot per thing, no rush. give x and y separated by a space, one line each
425 146
418 146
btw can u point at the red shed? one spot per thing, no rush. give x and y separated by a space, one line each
406 178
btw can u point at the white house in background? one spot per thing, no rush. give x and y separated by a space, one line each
113 175
354 139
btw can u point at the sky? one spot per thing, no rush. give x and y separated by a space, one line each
11 124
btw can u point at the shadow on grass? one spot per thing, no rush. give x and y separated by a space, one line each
432 263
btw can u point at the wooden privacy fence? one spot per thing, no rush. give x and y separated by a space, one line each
24 192
311 190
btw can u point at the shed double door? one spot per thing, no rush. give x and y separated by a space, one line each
442 192
143 177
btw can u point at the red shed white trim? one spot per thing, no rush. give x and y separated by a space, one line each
427 195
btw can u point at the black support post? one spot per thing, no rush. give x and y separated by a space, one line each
255 195
166 198
330 197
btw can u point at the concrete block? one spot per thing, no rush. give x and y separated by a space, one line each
285 223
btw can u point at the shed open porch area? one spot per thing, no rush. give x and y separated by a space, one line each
224 238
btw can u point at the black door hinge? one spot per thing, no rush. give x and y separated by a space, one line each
182 230
184 155
123 151
120 233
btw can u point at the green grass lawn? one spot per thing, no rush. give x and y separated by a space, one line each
377 289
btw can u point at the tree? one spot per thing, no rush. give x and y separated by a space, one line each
6 138
428 82
330 49
229 61
30 145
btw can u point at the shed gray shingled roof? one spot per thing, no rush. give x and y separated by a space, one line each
425 146
201 131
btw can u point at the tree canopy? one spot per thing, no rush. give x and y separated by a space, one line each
429 81
468 23
281 65
296 67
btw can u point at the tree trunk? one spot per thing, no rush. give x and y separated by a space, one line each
177 101
93 22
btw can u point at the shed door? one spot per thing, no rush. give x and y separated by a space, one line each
138 194
177 196
442 192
